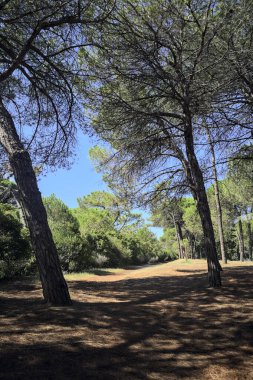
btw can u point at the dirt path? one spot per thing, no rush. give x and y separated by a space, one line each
159 322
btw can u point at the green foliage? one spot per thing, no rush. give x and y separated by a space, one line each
148 245
169 243
65 230
237 201
143 246
191 218
14 243
92 220
181 223
102 232
240 177
7 189
114 208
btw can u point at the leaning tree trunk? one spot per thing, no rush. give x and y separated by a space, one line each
196 182
54 286
217 200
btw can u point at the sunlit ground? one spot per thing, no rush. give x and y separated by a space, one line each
158 322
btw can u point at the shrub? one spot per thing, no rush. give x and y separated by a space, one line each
15 249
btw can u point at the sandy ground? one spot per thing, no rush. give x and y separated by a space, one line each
159 322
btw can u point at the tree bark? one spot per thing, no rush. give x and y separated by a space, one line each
191 243
250 240
191 240
180 234
196 182
178 239
20 207
240 240
194 248
54 286
217 200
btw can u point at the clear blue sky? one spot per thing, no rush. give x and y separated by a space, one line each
81 179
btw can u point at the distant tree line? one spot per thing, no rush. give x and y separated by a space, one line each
101 232
181 222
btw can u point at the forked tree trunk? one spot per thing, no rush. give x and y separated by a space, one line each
196 182
240 240
217 200
54 286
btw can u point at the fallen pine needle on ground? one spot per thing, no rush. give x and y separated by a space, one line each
154 322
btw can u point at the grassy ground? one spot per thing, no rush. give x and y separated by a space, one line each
159 322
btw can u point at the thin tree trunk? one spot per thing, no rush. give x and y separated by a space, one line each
191 242
190 238
54 286
20 208
240 240
178 239
194 248
180 234
250 240
196 182
179 244
217 200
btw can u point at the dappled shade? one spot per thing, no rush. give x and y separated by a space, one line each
130 326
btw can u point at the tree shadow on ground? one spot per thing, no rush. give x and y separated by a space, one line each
100 272
153 328
191 270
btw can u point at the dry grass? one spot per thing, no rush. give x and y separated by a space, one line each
159 322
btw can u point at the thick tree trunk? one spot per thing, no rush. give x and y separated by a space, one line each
217 201
196 182
55 289
240 240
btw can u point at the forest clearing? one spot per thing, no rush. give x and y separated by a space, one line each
153 322
126 145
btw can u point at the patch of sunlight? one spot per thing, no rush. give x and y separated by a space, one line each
185 261
92 272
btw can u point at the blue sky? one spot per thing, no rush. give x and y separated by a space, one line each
81 179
